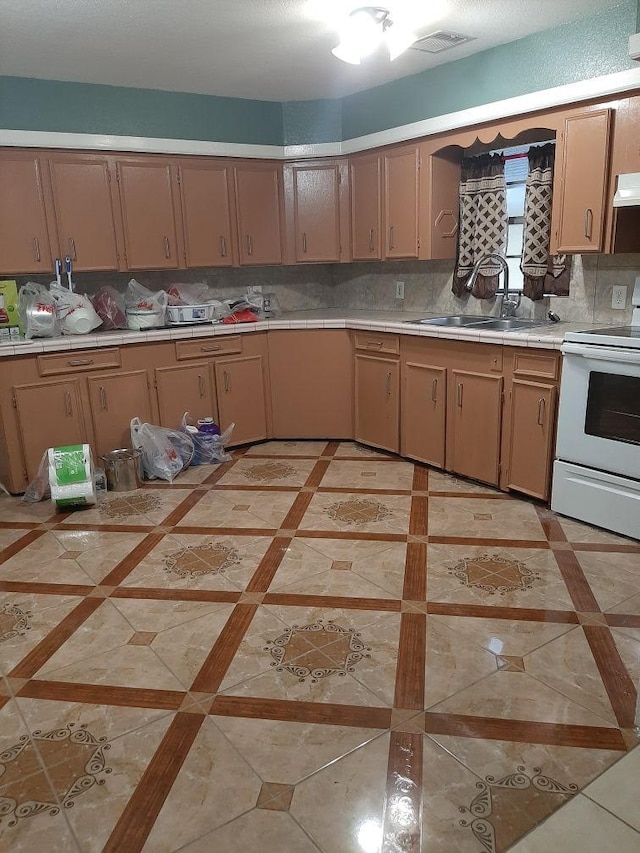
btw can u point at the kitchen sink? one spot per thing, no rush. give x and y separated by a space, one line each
512 324
494 324
455 320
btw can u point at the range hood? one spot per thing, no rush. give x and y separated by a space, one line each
628 191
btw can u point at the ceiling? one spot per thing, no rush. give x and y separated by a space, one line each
277 50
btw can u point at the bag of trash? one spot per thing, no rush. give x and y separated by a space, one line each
207 444
165 452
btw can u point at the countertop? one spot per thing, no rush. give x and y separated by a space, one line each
541 337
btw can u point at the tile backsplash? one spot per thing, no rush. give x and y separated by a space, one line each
427 287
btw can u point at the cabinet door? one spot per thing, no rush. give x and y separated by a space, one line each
583 182
24 241
377 401
63 424
424 401
206 214
366 207
115 400
146 197
533 408
476 401
83 211
258 201
240 384
316 193
401 177
185 389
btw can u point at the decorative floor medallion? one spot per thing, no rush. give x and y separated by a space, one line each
74 759
130 505
14 622
210 558
357 511
494 573
507 808
265 471
318 650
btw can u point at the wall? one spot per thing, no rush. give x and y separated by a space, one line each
579 51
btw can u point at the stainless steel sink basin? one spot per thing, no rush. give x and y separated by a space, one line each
455 320
511 324
494 324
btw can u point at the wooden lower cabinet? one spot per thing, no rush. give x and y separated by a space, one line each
241 397
49 415
475 402
533 413
377 382
114 400
424 402
311 383
185 388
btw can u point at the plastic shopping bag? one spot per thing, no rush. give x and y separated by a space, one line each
140 298
165 452
37 310
39 488
208 447
109 305
75 311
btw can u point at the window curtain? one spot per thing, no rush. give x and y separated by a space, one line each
483 223
543 273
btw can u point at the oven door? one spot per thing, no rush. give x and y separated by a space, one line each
599 413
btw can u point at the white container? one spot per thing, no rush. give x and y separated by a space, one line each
179 314
141 319
80 321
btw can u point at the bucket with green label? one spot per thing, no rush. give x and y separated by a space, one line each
71 476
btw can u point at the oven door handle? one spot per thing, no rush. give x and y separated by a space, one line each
626 356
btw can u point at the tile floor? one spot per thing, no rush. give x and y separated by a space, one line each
316 647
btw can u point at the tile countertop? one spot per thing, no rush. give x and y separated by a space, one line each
544 337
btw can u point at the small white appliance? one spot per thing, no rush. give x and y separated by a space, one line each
596 475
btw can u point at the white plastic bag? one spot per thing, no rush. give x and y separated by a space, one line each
140 298
75 311
165 452
37 309
208 447
39 488
189 294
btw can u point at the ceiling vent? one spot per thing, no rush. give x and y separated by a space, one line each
439 41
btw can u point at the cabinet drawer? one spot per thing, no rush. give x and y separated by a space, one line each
536 364
223 345
92 359
372 342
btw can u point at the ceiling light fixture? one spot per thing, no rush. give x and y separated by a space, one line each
366 29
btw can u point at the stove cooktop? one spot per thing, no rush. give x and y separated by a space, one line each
620 336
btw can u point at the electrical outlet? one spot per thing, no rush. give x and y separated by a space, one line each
254 288
399 289
619 296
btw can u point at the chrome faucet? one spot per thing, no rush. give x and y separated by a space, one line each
510 302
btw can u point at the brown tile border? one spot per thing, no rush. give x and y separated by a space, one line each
222 469
99 694
550 524
196 530
39 655
482 541
617 620
617 682
519 731
418 520
297 511
415 572
410 669
284 599
614 548
520 614
107 528
402 821
302 712
19 544
128 564
269 564
263 487
576 582
420 478
21 525
319 470
178 513
480 496
331 448
350 534
217 662
36 588
355 490
163 594
140 813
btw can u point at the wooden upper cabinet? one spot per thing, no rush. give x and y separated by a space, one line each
580 183
401 181
258 199
148 214
366 207
315 191
24 240
83 211
206 202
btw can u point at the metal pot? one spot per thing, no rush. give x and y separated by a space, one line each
123 469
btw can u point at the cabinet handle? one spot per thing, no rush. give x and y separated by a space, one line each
201 385
391 236
460 390
103 398
223 247
434 390
79 362
304 242
227 384
167 248
371 239
541 411
36 249
388 384
67 403
72 246
249 245
588 223
210 347
374 344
